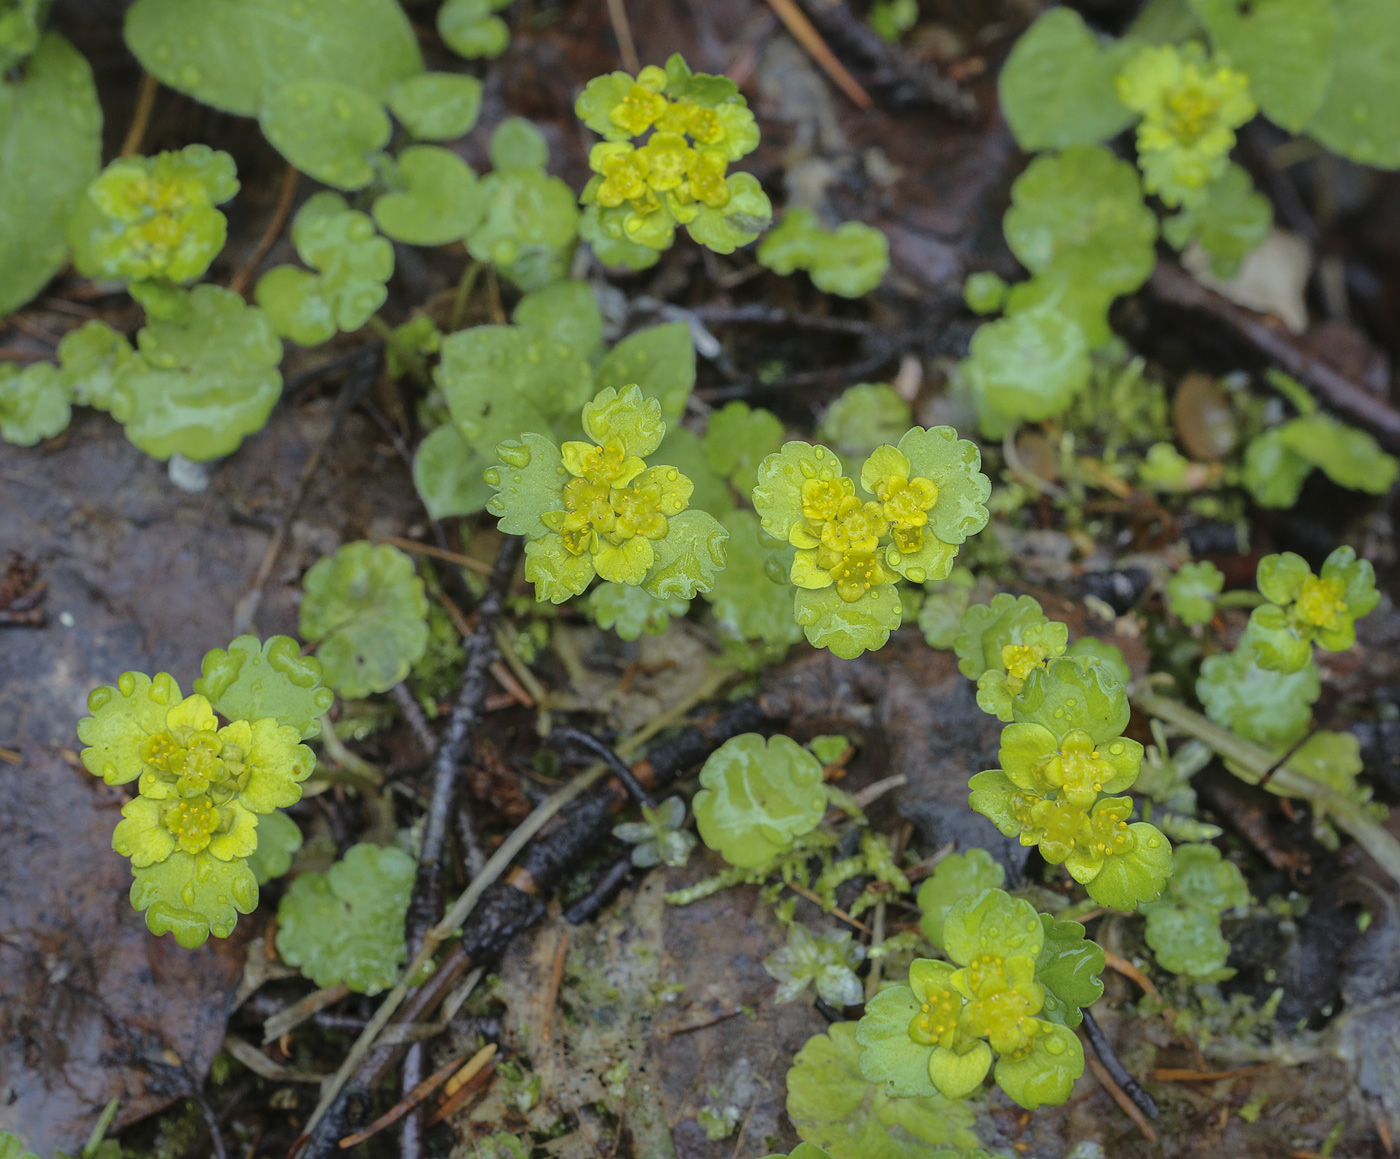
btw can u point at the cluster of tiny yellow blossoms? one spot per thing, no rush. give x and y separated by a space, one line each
1322 602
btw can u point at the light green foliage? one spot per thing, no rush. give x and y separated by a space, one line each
154 217
829 748
717 1123
1277 462
1190 108
893 18
848 261
436 199
1183 928
328 129
90 358
201 789
751 602
1025 368
278 839
1332 759
1360 112
1062 761
252 680
352 265
630 611
234 54
1306 609
447 472
985 291
12 1148
829 961
34 403
942 1030
1268 707
694 125
346 925
204 375
1000 644
685 450
863 417
738 439
1057 86
529 219
659 359
658 839
945 601
19 30
437 106
50 150
1077 221
1193 590
596 508
957 876
757 797
929 496
833 1106
1090 651
470 30
1229 222
365 605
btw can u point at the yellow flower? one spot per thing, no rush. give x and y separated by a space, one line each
624 171
706 174
666 157
1004 999
906 500
1322 602
1190 109
638 110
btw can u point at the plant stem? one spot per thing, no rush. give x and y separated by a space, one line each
1251 764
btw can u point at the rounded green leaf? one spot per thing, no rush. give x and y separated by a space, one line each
439 202
738 439
746 600
658 359
848 628
992 922
436 106
685 451
253 680
530 224
529 482
1186 940
558 574
294 305
122 719
890 1058
1056 87
1026 368
233 53
1045 1076
449 474
1268 707
777 495
1359 116
1350 457
612 248
366 607
1273 472
278 839
328 129
1229 222
1068 967
957 876
688 558
954 466
568 312
354 262
50 150
747 215
757 797
1065 695
1127 880
194 895
90 357
630 611
34 403
957 1073
347 925
1192 592
864 417
468 29
517 143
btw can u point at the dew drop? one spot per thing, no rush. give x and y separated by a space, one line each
190 76
1055 1046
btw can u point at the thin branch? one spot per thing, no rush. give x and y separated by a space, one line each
806 35
1116 1070
563 736
141 118
626 46
239 282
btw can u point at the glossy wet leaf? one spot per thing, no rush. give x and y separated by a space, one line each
278 840
685 451
1026 368
252 680
630 611
436 106
528 483
330 130
448 473
568 312
1068 967
193 895
34 403
365 608
200 381
346 925
863 417
530 224
122 718
1127 880
50 149
439 201
738 439
1359 116
757 797
233 54
957 876
747 601
689 558
660 360
1267 707
1056 87
848 628
747 214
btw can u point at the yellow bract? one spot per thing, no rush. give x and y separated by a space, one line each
1322 602
1020 660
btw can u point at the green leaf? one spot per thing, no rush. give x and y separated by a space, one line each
194 895
957 876
1046 1075
439 201
748 603
330 130
1276 641
232 54
1064 695
1283 45
90 358
436 106
200 381
558 574
1349 457
738 439
1026 368
757 798
1129 879
122 719
848 629
1068 967
517 143
253 680
985 291
1269 708
21 23
833 1106
864 417
12 1148
568 312
945 601
34 403
366 607
954 467
468 29
614 250
688 557
449 474
1056 87
748 214
278 839
891 1058
1193 590
630 610
777 496
1204 878
529 482
660 360
1360 112
992 922
829 961
849 261
685 451
1231 220
1186 940
1091 652
346 925
50 150
530 225
1273 472
599 97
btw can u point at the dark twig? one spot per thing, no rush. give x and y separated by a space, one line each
414 716
756 313
561 737
1116 1070
604 890
1288 756
211 1120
